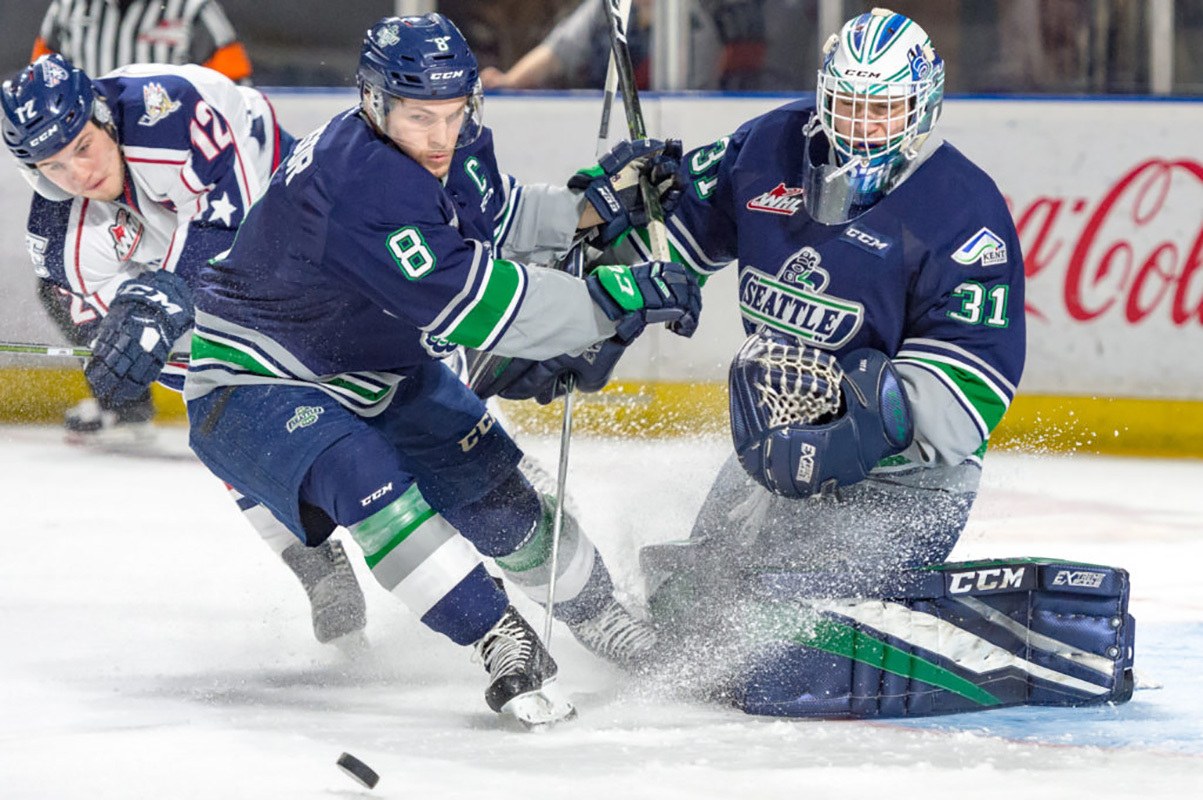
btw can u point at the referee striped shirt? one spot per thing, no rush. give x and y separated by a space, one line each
100 35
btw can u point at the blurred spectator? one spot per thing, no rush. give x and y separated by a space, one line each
100 35
576 52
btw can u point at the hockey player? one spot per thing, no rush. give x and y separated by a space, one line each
881 284
388 238
140 177
99 36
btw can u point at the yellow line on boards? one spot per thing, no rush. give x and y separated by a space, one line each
1034 423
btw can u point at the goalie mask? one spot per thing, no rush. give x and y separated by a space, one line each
46 105
419 58
878 97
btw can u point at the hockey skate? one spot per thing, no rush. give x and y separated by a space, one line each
617 636
335 598
124 427
521 673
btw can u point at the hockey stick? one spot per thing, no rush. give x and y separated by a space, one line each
60 351
620 57
603 130
576 266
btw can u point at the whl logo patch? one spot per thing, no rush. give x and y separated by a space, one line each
303 417
984 247
782 199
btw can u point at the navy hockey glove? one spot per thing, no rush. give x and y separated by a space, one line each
133 342
523 379
802 424
643 294
612 187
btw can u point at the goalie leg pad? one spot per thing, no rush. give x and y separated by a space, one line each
959 637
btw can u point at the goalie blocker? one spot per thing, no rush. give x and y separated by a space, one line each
957 637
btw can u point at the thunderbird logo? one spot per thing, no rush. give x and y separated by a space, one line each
794 302
387 36
781 199
158 103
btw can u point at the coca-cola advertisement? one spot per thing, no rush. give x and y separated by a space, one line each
1108 201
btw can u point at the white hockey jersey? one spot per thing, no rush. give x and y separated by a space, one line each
198 151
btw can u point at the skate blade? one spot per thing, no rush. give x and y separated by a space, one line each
540 709
124 439
352 645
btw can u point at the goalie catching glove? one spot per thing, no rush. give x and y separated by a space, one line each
150 312
803 422
612 186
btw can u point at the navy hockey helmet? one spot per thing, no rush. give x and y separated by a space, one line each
46 105
419 58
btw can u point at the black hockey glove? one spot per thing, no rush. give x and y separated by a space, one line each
612 186
134 341
643 294
544 381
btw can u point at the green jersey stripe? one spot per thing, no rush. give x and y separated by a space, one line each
985 399
493 306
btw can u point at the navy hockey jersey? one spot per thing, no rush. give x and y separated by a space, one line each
932 275
358 264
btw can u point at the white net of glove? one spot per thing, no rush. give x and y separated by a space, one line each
798 385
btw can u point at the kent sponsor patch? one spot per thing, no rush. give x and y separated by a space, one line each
867 240
984 247
782 199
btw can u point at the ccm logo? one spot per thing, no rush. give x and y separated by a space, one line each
861 73
473 437
444 76
43 136
866 238
984 580
376 495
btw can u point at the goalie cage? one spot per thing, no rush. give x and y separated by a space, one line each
952 638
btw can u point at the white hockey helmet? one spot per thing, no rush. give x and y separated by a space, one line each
880 67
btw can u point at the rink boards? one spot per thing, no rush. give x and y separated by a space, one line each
1107 197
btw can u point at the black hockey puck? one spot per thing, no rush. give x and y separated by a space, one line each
358 770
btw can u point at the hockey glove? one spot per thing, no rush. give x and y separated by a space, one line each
133 342
801 424
612 187
643 294
523 379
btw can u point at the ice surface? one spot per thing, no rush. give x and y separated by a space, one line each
152 647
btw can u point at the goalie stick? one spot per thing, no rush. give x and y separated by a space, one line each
62 351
